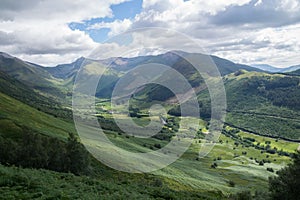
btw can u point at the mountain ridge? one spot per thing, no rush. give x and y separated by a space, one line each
272 69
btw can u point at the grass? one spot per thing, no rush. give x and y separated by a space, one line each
189 173
15 115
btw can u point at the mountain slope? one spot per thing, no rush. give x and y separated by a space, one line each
227 67
269 68
296 72
119 66
290 69
32 75
65 71
261 103
266 67
16 89
28 73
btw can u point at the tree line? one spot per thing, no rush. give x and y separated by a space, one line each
34 150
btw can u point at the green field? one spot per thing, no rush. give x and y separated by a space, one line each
239 164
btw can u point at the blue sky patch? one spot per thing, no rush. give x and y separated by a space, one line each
126 10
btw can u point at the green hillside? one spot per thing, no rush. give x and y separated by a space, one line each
265 104
16 89
33 76
261 103
15 115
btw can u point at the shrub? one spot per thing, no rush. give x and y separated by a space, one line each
270 169
231 183
214 165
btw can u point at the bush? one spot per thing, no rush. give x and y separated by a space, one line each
270 169
261 163
214 165
231 183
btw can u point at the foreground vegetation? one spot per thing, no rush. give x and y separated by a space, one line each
18 183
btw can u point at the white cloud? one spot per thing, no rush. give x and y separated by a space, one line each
37 30
235 29
116 27
245 31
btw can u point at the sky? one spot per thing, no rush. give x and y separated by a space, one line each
49 32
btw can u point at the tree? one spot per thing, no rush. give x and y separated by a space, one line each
286 185
77 156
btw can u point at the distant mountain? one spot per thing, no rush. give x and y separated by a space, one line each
269 68
65 71
296 72
117 66
291 69
121 64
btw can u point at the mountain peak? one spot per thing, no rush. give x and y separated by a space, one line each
5 55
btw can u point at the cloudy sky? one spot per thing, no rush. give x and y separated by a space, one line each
49 32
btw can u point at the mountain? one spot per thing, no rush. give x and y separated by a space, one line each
121 64
32 75
266 67
265 104
269 68
227 67
261 103
65 71
34 142
20 91
250 91
296 72
290 69
116 67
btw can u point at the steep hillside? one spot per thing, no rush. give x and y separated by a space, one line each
32 75
15 117
16 89
28 73
261 103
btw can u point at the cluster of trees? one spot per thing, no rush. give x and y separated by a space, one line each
288 97
281 91
249 142
38 151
